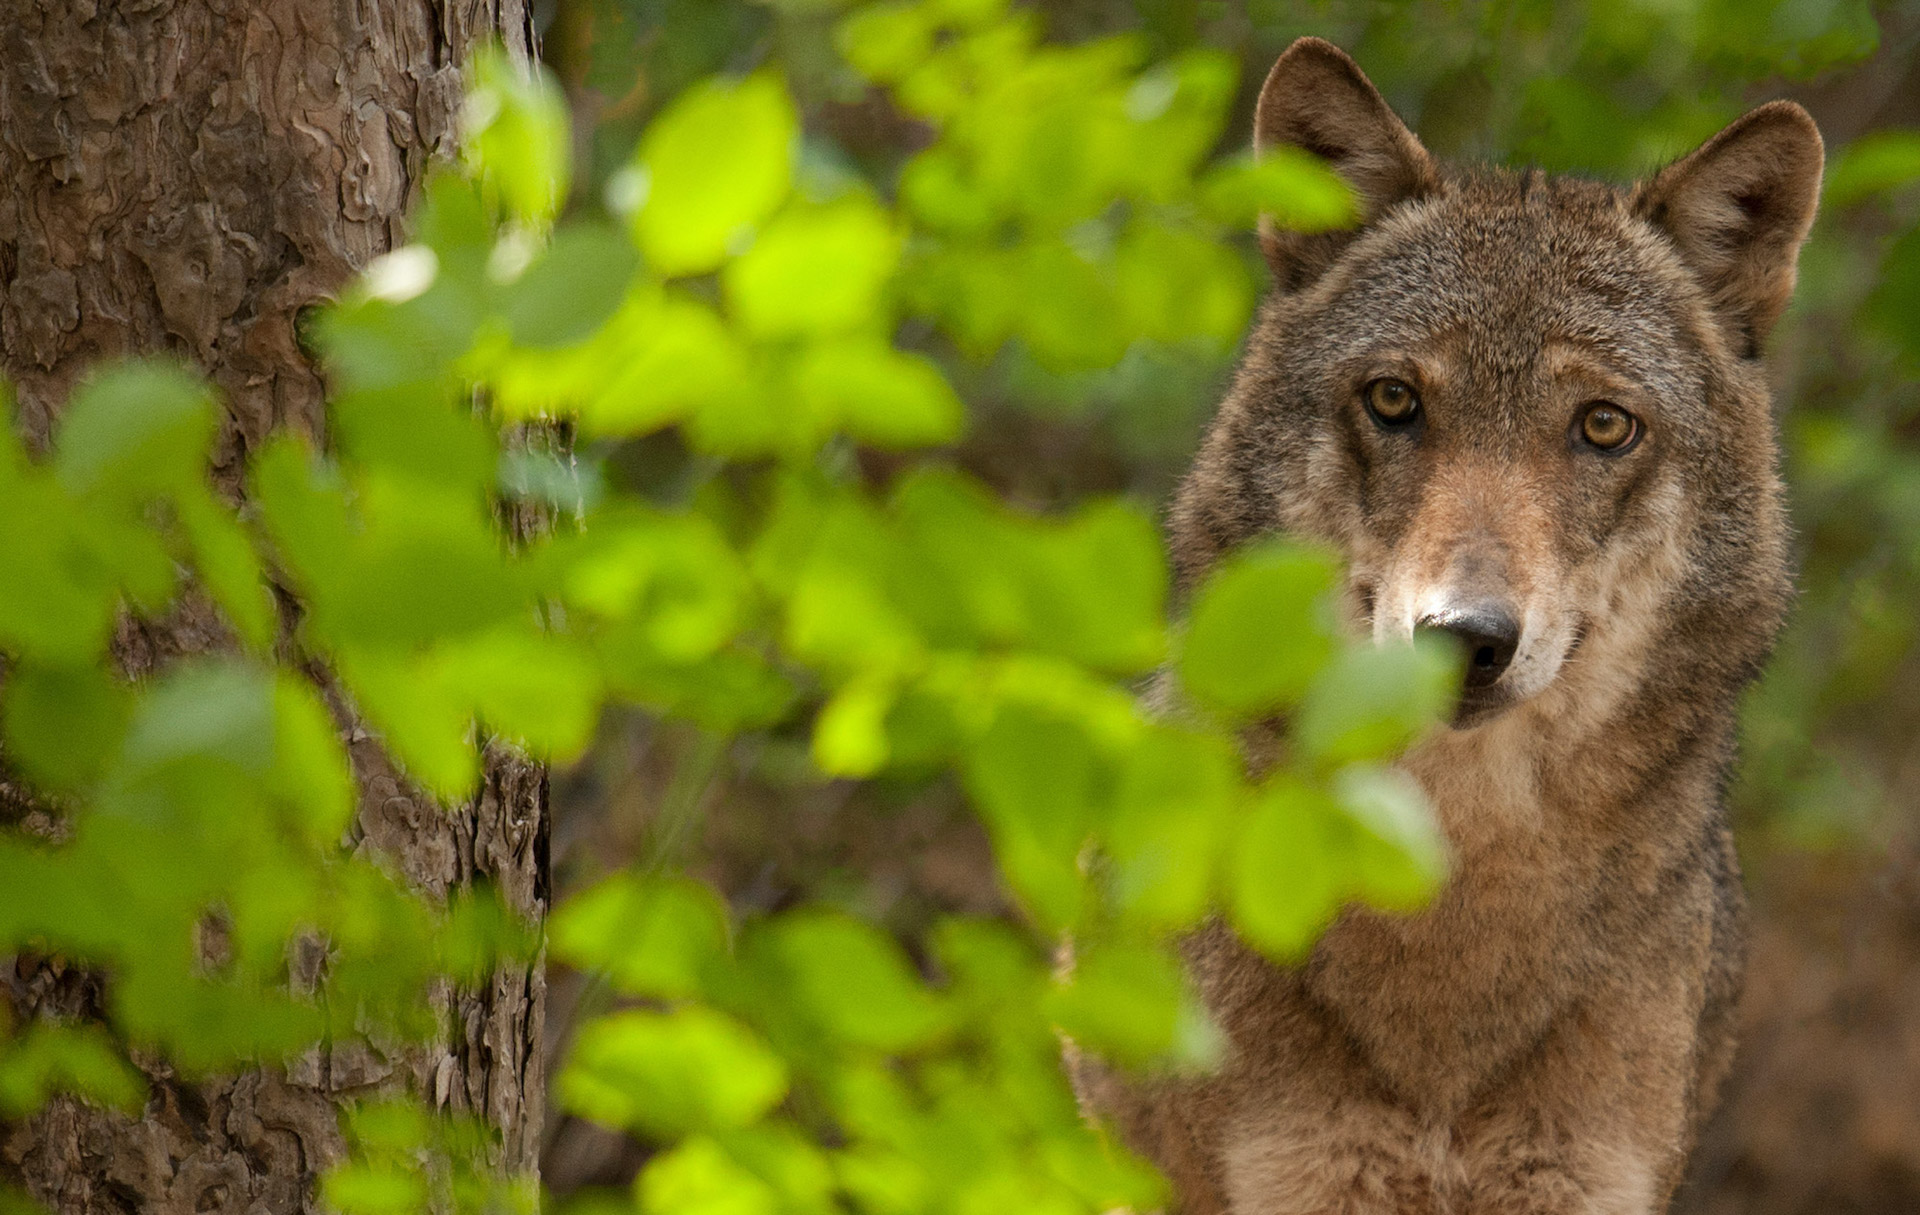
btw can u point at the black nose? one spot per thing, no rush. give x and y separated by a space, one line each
1489 635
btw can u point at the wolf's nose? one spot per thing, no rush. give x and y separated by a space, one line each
1489 634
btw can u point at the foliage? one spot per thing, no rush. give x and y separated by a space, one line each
813 331
759 306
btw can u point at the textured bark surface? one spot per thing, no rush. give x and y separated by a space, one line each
186 176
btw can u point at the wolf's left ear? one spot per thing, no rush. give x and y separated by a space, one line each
1317 98
1738 209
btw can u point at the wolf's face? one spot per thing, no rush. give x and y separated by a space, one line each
1526 410
1501 395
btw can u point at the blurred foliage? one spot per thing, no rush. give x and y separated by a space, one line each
816 261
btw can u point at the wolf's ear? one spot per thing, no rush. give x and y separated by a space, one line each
1738 208
1317 98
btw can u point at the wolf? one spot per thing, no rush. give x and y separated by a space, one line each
1528 411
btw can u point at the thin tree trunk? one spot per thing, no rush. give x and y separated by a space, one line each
185 176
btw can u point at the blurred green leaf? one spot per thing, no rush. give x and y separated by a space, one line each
652 937
698 1177
1873 164
879 395
62 723
571 288
1288 873
1261 629
224 555
48 1058
815 269
715 164
1371 701
1401 857
670 1073
1121 1001
1292 188
135 428
853 981
515 133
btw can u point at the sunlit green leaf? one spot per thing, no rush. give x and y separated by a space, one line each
1291 188
715 163
879 395
1121 1001
814 269
651 937
669 1073
698 1177
1400 857
1876 162
1260 629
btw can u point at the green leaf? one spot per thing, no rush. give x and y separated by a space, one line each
657 360
303 507
698 1177
883 42
48 1058
850 737
1374 700
1169 824
1290 869
1894 306
1037 780
358 1187
515 132
215 708
135 428
1260 630
1400 858
715 164
815 269
651 937
426 725
542 691
670 1073
853 981
62 723
1873 164
310 771
1121 1001
572 288
419 433
1173 285
1292 188
878 395
223 552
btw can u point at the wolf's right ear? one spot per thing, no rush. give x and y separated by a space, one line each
1316 98
1737 209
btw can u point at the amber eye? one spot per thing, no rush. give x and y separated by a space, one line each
1392 402
1609 427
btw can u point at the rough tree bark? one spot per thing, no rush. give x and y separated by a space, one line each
185 176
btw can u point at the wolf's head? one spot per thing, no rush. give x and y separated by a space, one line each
1526 409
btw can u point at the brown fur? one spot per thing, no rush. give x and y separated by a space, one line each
1549 1034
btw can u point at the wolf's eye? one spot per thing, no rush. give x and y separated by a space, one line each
1609 427
1392 402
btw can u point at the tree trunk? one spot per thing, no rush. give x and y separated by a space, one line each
185 176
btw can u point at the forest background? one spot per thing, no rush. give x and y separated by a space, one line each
825 367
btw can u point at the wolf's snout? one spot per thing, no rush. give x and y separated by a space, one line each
1489 634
